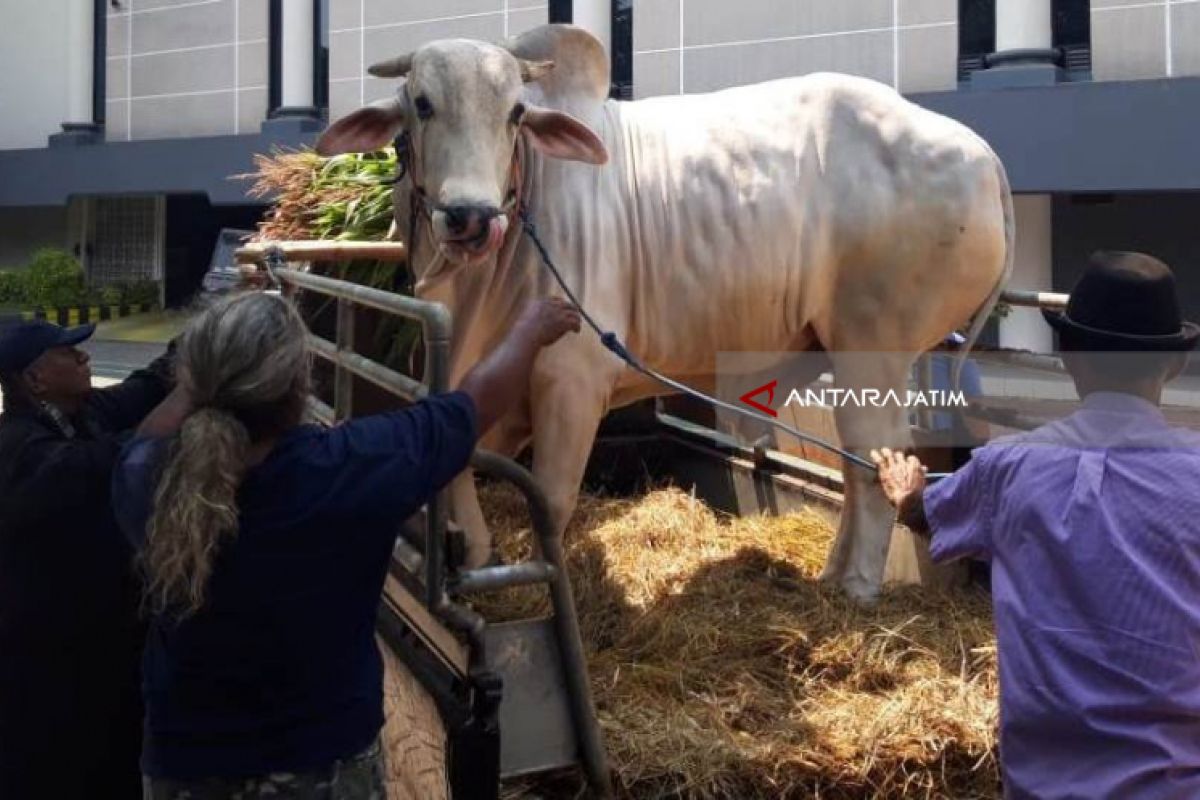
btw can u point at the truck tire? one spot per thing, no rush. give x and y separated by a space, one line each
414 737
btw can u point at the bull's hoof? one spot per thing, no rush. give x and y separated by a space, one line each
861 591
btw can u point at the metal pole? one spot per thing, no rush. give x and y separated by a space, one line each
437 377
343 403
491 579
566 623
1026 297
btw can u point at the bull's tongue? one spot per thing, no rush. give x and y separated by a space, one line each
497 227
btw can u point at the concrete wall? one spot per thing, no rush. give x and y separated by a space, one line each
685 46
1024 328
1163 225
24 230
186 68
33 84
1134 39
362 32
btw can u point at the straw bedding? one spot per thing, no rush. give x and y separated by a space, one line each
722 669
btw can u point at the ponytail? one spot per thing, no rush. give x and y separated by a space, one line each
195 510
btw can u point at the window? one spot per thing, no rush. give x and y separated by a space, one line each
561 11
321 57
1072 36
976 35
622 49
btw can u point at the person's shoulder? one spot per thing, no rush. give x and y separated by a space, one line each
141 451
302 444
19 429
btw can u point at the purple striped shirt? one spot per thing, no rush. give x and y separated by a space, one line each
1092 526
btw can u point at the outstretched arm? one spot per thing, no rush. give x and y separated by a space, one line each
497 383
903 481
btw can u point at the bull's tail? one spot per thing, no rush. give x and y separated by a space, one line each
981 316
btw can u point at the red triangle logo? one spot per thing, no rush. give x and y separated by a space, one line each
769 388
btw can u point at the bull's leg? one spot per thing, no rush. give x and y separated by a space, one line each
466 512
506 439
567 407
859 554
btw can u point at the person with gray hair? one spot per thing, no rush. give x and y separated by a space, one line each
265 543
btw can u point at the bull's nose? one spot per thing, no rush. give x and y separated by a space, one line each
457 218
466 219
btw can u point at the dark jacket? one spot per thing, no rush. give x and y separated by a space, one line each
70 637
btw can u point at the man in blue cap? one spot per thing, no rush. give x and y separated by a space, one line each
70 638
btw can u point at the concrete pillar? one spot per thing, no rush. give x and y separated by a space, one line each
80 43
1024 42
1023 25
79 121
596 17
1024 328
296 91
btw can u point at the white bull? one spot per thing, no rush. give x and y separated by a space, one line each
822 212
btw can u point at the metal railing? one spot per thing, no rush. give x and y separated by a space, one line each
435 329
1034 299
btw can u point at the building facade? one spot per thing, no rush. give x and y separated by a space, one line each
126 119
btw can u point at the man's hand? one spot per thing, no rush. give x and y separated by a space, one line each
900 476
545 321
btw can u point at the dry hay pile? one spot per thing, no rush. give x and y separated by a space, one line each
722 669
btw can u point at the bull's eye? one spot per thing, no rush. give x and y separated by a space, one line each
517 112
424 107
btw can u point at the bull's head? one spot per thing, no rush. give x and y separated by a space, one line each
463 104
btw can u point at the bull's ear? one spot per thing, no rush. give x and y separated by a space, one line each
562 136
396 67
370 128
534 70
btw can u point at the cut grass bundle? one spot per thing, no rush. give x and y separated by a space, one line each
722 669
344 198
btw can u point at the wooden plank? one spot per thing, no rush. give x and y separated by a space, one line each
432 632
255 252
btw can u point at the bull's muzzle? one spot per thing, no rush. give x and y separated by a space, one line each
469 231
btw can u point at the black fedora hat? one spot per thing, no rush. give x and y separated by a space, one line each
1126 302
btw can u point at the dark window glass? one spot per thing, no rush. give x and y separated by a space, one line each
1072 34
561 11
622 49
976 27
976 34
321 57
1072 23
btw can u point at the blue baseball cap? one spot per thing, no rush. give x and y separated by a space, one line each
21 343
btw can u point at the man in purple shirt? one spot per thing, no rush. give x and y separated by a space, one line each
1092 525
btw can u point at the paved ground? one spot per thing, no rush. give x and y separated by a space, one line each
118 359
153 327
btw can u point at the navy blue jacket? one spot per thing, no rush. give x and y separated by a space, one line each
279 671
70 638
